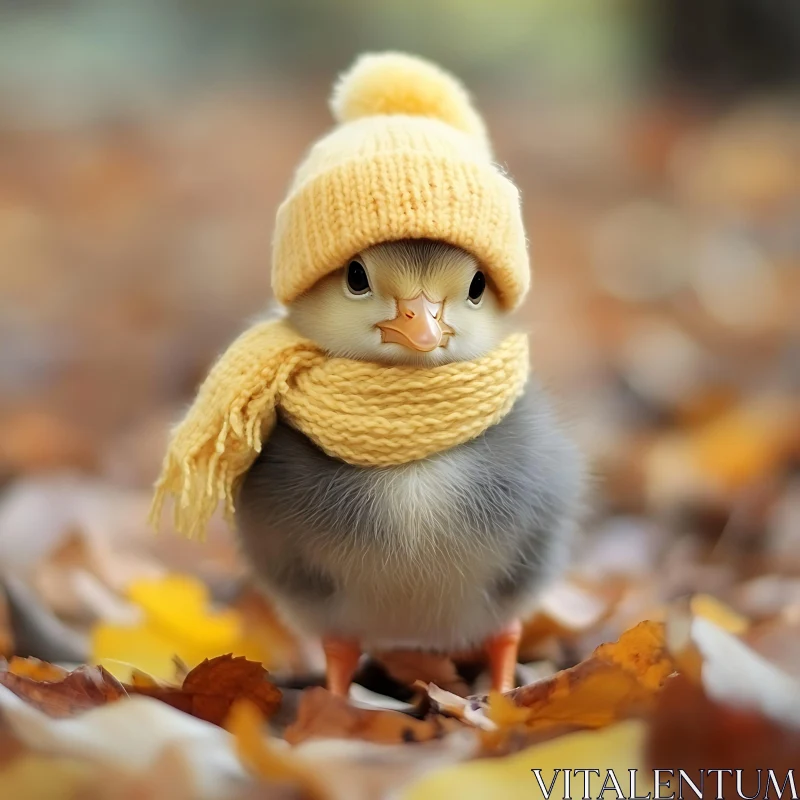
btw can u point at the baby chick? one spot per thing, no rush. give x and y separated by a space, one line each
446 553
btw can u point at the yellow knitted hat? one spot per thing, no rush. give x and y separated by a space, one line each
409 159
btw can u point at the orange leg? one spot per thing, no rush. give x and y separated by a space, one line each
341 659
502 650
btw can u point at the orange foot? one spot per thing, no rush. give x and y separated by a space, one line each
502 650
341 660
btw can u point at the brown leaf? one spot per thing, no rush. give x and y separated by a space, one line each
324 715
209 690
81 689
690 731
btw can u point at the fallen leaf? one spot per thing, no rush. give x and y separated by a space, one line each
77 691
507 721
210 689
691 731
616 681
178 621
642 653
36 669
503 712
265 760
324 715
131 735
619 748
729 671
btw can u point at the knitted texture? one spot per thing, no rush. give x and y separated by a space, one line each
409 159
360 412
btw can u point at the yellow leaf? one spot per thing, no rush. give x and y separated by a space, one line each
178 605
178 621
618 748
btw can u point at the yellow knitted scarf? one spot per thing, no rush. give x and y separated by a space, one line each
360 412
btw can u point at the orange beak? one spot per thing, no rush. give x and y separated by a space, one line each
418 325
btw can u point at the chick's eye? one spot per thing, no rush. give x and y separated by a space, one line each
477 287
357 280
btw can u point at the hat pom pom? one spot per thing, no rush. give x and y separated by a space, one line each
396 83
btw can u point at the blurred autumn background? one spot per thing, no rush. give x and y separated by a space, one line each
144 148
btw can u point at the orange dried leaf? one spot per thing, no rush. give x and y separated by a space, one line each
36 669
80 690
616 681
255 751
642 653
324 715
503 712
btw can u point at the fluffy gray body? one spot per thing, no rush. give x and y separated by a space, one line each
437 553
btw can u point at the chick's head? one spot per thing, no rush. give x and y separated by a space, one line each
416 302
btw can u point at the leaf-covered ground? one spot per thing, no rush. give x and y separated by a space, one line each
664 317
